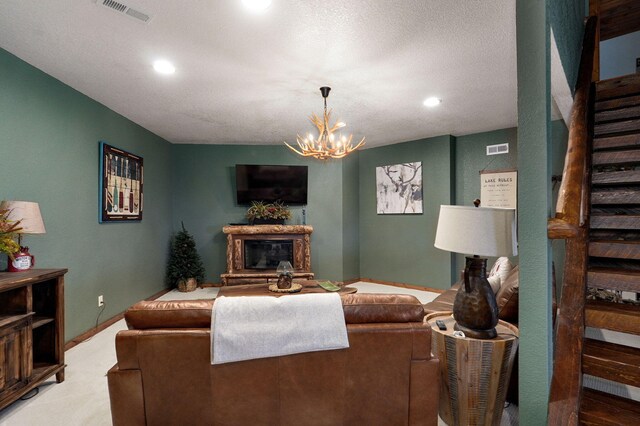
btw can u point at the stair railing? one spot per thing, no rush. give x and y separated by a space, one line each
571 223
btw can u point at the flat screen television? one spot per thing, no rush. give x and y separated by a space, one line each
287 184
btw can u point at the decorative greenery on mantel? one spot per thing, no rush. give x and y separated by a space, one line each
261 210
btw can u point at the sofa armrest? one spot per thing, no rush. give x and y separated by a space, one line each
126 396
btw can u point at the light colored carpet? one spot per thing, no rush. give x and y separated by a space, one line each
83 398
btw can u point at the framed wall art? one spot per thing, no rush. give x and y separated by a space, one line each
399 188
121 185
499 188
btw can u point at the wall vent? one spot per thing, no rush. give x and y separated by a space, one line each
502 148
124 9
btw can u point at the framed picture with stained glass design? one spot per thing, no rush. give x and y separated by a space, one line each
399 188
121 185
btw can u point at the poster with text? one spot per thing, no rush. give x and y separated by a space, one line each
499 189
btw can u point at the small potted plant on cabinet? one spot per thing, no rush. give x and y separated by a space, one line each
185 269
261 213
8 232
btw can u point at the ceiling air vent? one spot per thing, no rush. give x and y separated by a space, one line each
502 148
124 9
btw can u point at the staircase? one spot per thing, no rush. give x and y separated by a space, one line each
614 250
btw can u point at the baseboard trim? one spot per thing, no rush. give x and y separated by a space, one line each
103 325
401 285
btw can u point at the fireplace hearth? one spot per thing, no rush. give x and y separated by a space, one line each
254 252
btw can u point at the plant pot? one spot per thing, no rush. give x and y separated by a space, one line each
187 285
257 221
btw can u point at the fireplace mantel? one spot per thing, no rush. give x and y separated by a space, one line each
237 270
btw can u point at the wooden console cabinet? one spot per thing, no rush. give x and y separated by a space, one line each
31 330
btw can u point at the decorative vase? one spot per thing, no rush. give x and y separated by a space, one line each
285 274
474 308
186 285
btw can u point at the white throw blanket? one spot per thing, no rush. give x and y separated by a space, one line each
247 327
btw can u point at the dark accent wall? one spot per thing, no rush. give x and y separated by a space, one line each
49 137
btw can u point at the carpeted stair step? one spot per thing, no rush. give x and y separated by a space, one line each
611 361
627 157
615 221
627 113
614 279
620 196
615 249
603 409
627 177
621 317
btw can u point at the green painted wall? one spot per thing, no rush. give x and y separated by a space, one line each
400 247
49 137
534 208
204 198
351 217
471 158
567 20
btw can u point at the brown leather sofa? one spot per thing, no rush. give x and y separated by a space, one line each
387 376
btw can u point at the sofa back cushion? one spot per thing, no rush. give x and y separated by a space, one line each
381 308
169 314
507 297
358 309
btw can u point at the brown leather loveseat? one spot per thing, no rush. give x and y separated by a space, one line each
387 376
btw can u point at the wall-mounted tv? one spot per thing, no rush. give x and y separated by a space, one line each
271 183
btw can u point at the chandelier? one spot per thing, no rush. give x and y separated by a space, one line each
327 145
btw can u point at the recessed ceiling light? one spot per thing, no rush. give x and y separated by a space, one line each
257 5
432 101
164 67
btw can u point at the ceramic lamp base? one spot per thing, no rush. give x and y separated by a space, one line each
474 308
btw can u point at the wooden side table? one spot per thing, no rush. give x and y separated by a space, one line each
474 373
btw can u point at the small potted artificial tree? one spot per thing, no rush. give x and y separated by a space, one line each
185 269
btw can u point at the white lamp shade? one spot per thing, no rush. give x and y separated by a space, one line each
28 213
481 231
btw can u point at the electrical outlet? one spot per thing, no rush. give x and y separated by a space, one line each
100 301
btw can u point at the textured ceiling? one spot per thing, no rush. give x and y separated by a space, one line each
247 78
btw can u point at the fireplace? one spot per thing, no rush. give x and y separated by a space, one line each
253 252
267 254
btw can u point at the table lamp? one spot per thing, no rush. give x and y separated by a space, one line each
31 223
479 231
